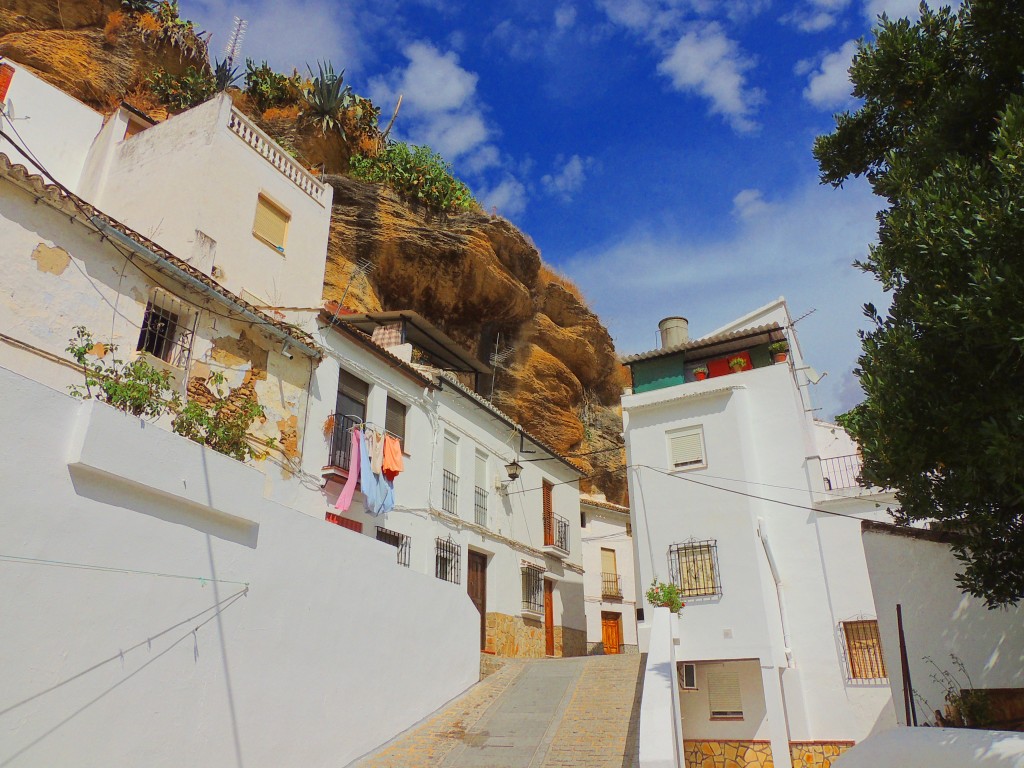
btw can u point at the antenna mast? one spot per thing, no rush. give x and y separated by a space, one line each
233 49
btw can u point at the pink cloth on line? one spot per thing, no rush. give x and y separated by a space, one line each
345 498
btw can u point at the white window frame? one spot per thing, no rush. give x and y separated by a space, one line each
684 431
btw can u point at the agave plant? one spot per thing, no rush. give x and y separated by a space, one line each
326 97
225 75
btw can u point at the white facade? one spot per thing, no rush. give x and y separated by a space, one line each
609 583
916 570
751 508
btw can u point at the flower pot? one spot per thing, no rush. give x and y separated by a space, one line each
781 357
701 375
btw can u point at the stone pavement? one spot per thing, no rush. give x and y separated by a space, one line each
532 714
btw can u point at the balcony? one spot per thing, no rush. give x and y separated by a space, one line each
841 478
340 451
556 536
480 506
611 586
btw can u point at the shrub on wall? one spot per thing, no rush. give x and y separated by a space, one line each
184 91
416 171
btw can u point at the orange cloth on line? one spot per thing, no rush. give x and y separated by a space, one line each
392 457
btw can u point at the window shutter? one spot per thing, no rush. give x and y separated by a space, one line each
864 648
608 561
394 419
724 694
271 223
451 445
686 449
480 474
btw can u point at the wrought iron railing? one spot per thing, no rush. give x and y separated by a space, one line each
480 506
341 440
447 560
611 585
399 541
693 566
841 471
450 493
533 589
556 532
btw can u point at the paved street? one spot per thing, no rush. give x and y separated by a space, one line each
532 714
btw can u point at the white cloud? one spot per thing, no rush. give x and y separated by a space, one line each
707 62
898 9
508 197
829 85
565 17
815 15
568 179
804 251
749 203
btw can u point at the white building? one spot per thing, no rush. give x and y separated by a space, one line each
319 618
609 583
751 506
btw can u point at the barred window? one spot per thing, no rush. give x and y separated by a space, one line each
165 330
448 560
399 541
694 567
864 650
533 588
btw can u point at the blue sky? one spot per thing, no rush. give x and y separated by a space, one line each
658 152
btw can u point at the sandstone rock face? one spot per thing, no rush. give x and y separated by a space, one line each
478 278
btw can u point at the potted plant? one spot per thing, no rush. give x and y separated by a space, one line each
665 595
700 372
779 350
737 363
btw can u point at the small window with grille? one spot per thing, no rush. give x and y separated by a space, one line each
166 333
448 560
399 541
694 567
863 650
271 223
533 589
686 449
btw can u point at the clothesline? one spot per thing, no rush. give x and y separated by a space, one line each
363 424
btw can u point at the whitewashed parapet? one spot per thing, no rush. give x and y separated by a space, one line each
276 156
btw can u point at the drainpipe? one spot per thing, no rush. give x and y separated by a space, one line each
762 533
148 256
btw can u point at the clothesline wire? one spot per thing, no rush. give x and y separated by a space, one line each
109 569
577 455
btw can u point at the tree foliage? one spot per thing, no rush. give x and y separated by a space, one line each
940 135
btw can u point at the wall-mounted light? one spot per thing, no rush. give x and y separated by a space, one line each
514 469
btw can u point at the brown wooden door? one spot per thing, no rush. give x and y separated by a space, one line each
477 587
549 617
611 631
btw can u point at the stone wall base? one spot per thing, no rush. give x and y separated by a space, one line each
817 754
516 637
758 754
597 649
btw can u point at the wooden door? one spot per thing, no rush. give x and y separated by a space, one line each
611 631
549 617
477 587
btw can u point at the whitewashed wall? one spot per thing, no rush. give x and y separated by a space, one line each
938 620
321 660
607 530
53 126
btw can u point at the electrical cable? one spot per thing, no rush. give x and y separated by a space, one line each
87 567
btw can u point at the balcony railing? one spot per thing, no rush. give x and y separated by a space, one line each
480 505
611 585
271 150
450 493
556 532
841 471
341 440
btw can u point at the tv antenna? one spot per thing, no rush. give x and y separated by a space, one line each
808 313
362 268
233 48
497 360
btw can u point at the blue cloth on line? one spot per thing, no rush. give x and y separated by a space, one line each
368 483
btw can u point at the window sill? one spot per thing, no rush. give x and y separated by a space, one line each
674 470
531 615
279 250
721 718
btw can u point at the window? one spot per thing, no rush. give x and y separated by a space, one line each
583 519
480 489
611 582
450 478
694 567
344 522
686 449
533 589
399 541
687 675
352 394
864 650
394 419
447 560
165 333
724 695
271 223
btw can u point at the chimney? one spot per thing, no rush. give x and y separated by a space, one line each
674 330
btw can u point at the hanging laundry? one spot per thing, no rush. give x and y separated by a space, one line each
376 441
386 500
368 481
345 498
392 457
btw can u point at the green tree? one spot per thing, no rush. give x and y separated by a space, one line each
940 135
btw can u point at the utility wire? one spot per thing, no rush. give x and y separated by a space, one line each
88 567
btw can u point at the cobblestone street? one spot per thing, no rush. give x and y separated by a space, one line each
532 714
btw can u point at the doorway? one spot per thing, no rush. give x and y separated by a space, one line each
477 588
549 617
611 631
